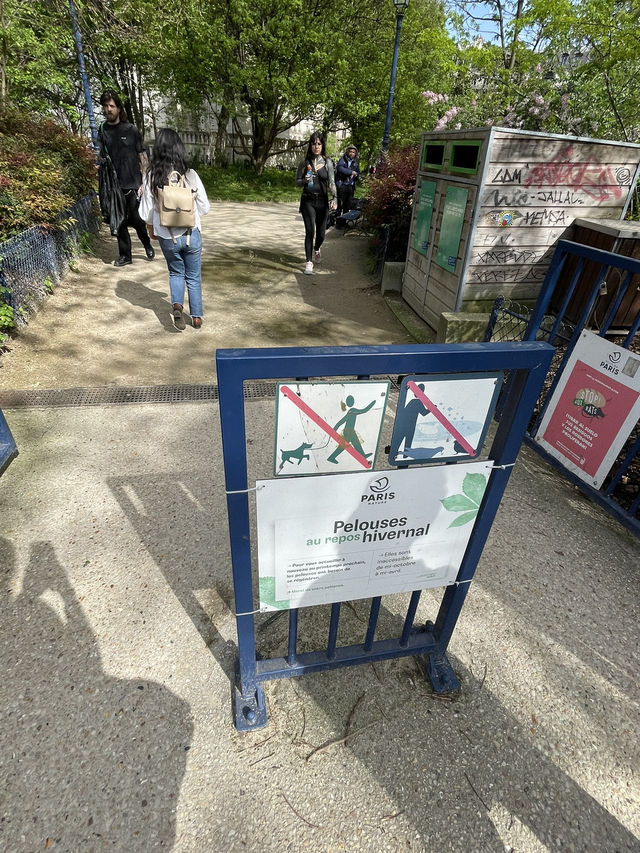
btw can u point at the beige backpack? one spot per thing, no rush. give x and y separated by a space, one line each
177 204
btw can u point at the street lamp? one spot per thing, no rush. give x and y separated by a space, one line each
401 8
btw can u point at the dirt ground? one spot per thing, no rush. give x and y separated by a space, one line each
114 326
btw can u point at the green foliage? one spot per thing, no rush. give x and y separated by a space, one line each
390 196
237 183
7 315
44 169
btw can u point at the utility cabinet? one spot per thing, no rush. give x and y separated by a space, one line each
490 205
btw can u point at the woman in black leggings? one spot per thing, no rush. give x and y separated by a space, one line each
316 176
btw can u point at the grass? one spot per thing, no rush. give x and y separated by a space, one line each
237 183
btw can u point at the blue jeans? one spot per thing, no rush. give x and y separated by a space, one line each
183 263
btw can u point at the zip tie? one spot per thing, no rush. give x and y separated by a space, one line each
240 491
248 613
503 467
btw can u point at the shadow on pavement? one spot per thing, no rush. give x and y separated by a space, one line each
173 518
91 759
137 293
464 773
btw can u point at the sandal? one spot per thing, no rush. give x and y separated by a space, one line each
197 322
178 318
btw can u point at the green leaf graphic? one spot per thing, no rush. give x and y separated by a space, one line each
473 486
458 503
465 518
268 594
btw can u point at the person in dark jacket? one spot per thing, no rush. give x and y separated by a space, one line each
347 173
316 176
122 143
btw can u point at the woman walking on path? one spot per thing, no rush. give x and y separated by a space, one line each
181 247
316 176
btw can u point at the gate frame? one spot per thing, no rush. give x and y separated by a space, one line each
527 363
608 261
8 449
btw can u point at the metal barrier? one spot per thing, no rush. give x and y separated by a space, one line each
38 254
620 492
527 365
8 449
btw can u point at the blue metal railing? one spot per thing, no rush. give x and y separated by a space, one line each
528 365
620 492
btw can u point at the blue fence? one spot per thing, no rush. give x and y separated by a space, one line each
527 365
40 255
585 288
8 449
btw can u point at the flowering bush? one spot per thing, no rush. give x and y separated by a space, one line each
390 196
44 169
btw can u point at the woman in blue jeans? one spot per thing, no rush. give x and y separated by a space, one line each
181 247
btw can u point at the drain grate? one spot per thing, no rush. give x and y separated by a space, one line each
118 396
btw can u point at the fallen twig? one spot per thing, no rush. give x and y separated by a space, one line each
476 793
338 740
483 678
350 717
392 816
376 673
308 822
258 760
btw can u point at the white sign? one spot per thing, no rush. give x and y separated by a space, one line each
593 409
328 426
328 539
443 417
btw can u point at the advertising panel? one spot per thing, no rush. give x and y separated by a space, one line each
593 409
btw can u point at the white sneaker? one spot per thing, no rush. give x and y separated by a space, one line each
316 256
308 268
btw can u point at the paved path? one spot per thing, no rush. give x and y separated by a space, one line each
108 326
117 629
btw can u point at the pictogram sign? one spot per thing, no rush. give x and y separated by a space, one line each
328 427
441 418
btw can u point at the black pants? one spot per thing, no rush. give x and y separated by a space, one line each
132 218
345 198
314 212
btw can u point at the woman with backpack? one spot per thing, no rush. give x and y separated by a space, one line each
316 176
181 244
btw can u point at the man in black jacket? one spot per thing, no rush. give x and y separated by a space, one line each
122 142
347 173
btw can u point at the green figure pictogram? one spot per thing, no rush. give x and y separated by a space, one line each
349 434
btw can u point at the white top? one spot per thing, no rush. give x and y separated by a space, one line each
148 209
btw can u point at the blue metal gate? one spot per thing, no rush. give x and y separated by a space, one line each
527 365
617 278
8 449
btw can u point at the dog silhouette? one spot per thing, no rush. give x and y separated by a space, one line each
298 453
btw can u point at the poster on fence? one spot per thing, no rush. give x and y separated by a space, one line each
593 409
325 539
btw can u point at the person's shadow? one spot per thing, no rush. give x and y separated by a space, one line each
137 293
88 760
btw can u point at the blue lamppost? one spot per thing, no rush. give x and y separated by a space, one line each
83 74
401 8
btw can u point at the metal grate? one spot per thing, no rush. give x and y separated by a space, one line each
118 396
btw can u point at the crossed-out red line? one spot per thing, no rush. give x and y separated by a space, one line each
435 411
315 417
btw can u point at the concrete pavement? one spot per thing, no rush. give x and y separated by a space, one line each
118 634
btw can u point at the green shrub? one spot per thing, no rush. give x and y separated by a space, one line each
44 169
390 197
